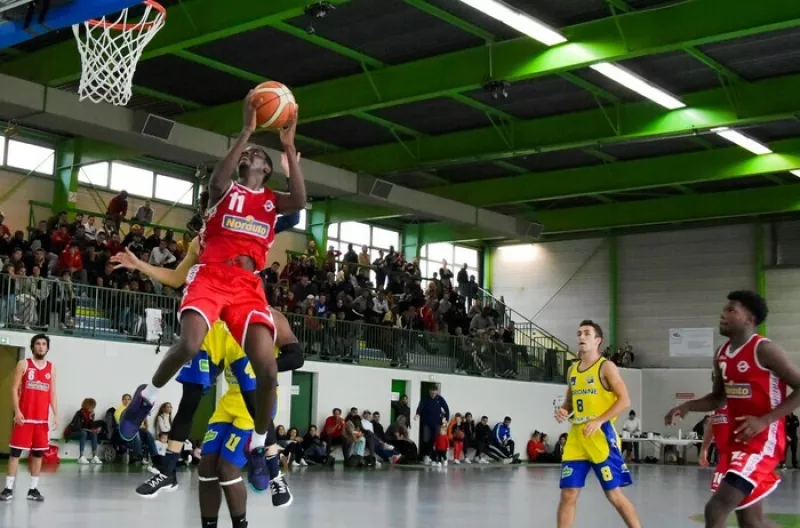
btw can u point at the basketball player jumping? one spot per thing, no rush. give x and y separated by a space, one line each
750 374
198 376
234 243
596 395
33 394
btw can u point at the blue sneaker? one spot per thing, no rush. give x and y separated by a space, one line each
257 473
132 417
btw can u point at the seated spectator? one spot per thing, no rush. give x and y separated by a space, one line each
535 447
377 428
90 229
483 435
143 214
501 446
314 451
164 419
161 256
60 239
71 261
333 431
358 444
82 427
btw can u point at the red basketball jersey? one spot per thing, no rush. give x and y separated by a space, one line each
34 394
719 429
752 390
241 223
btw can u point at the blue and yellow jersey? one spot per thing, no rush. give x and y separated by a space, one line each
600 451
206 365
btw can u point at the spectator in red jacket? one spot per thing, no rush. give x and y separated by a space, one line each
60 239
333 430
535 446
118 208
71 261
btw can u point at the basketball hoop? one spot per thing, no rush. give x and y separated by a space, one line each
110 52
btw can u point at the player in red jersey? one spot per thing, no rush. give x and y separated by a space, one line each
33 395
717 431
234 242
751 374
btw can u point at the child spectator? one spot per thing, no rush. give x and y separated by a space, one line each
83 426
440 445
455 432
164 419
535 447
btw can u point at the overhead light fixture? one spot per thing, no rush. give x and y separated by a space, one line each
747 143
637 84
795 172
518 20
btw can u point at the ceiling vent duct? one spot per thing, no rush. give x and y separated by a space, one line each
157 127
374 187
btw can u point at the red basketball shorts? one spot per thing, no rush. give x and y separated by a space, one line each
219 291
759 470
33 436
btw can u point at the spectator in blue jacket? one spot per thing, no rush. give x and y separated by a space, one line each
432 412
501 446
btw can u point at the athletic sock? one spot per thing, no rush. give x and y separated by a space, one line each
10 482
239 521
273 466
258 440
150 393
34 482
169 463
208 522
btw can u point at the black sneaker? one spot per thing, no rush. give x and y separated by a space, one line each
6 495
34 495
281 495
156 484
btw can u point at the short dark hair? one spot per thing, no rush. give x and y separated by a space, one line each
597 330
507 419
37 337
754 303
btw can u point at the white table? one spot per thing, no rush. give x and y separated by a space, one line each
661 442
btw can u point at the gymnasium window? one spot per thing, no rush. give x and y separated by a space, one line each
30 157
173 190
432 254
301 225
95 174
358 234
2 151
136 181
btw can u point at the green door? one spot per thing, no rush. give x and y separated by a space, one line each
398 388
203 414
302 400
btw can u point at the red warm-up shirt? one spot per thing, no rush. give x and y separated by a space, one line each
441 443
117 207
333 428
68 260
534 449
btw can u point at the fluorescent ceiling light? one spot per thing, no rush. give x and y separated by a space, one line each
795 172
518 20
743 141
638 85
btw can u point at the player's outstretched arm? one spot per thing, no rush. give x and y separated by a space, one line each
710 402
223 171
295 199
169 277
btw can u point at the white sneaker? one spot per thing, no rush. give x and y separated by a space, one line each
426 460
303 462
437 464
96 460
467 461
83 460
484 461
152 469
378 463
444 464
295 463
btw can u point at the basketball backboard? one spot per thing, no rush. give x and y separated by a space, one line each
21 20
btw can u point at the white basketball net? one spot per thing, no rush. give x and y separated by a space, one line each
110 51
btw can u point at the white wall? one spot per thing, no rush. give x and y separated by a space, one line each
558 283
102 370
659 389
679 279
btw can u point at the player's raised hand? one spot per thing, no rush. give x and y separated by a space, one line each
561 415
674 415
249 112
749 427
125 259
288 132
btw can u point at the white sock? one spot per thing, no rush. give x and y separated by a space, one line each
10 482
150 393
34 482
258 440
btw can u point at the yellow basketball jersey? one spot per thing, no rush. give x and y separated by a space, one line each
216 342
589 398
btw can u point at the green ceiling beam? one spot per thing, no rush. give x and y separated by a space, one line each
688 208
646 32
155 94
189 24
774 98
221 66
451 19
335 47
679 169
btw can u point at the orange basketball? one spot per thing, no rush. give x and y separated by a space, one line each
275 105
